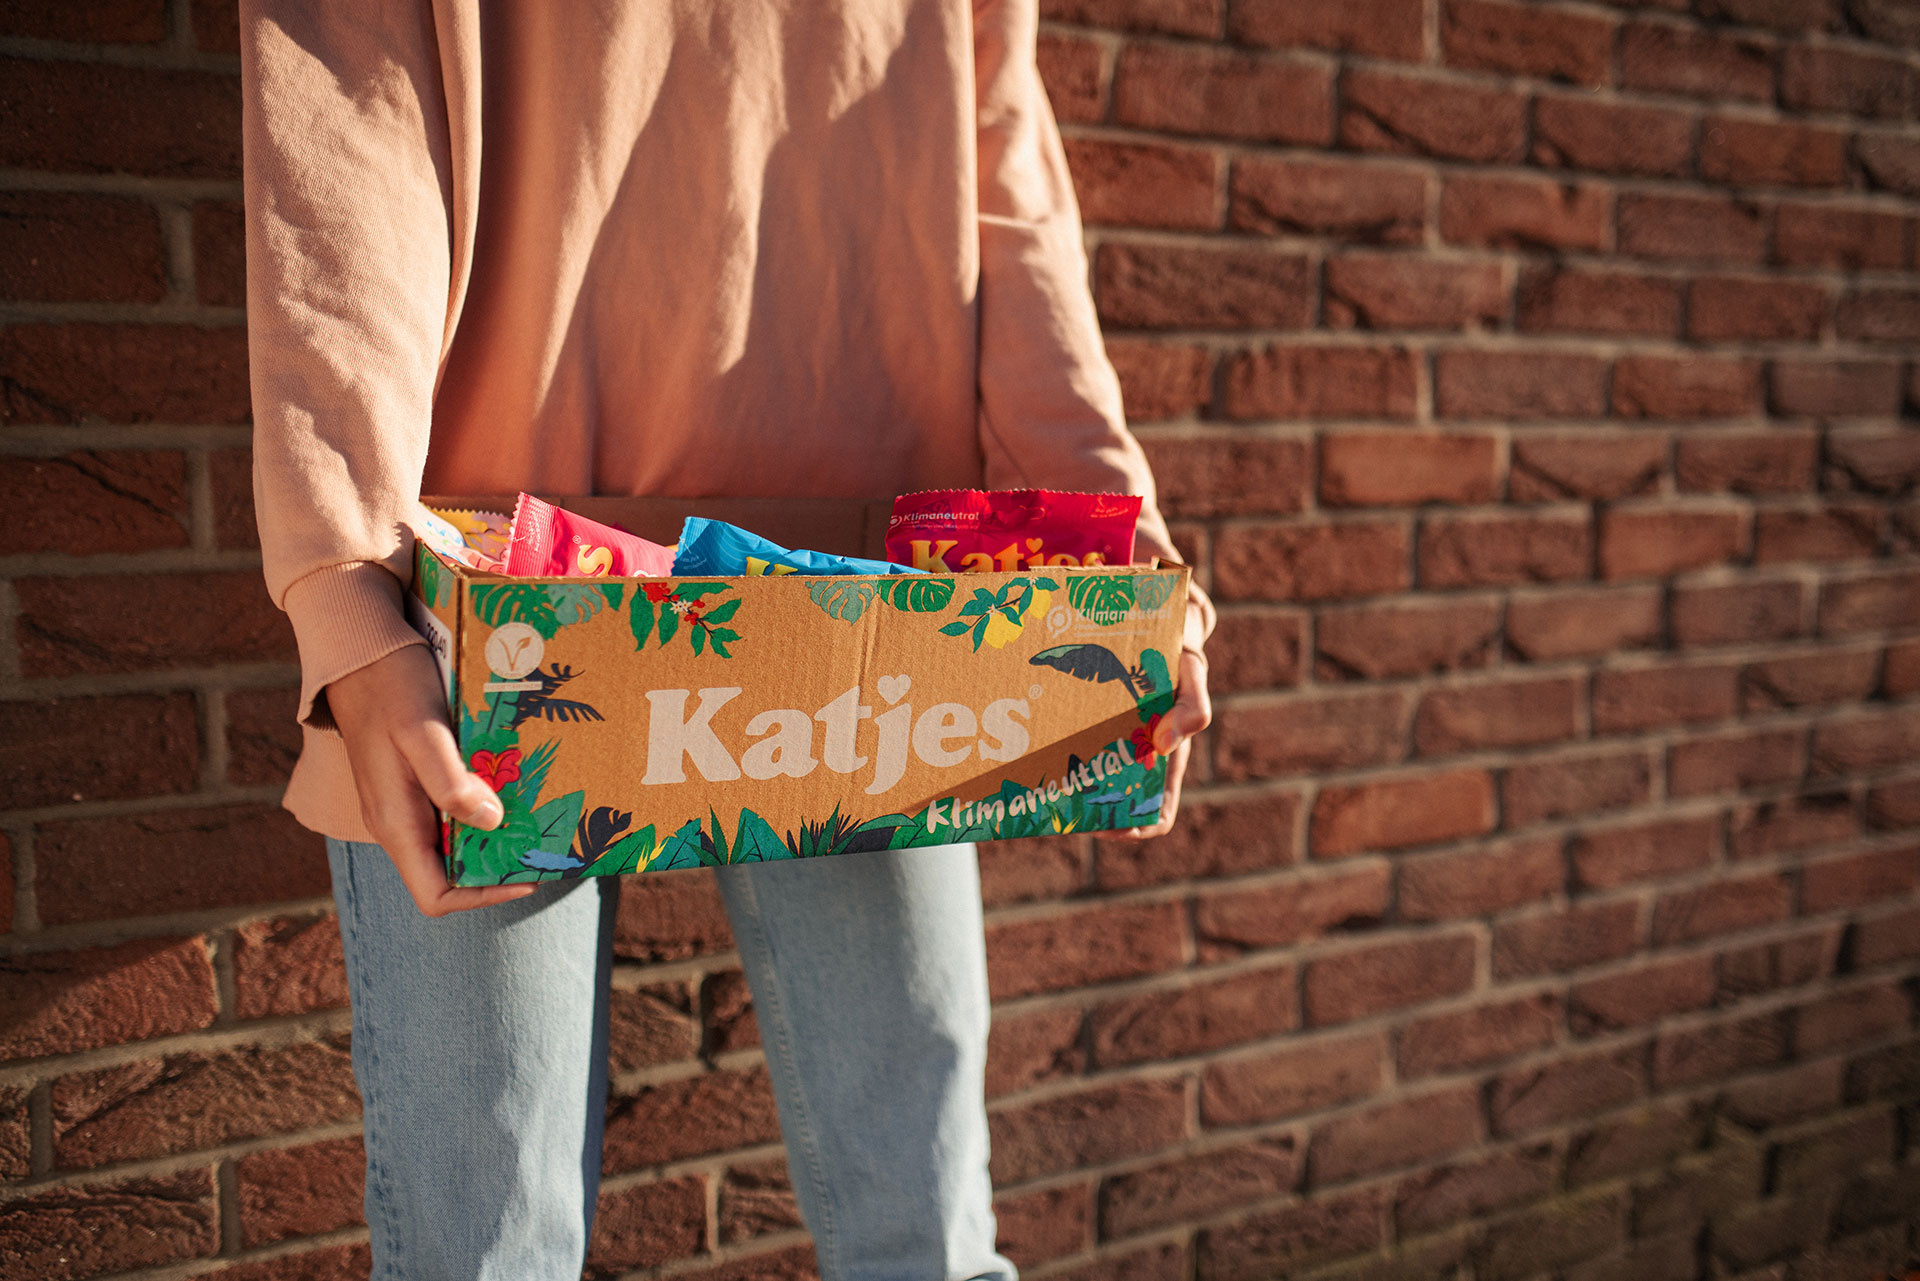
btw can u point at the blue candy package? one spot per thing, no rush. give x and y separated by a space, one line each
715 547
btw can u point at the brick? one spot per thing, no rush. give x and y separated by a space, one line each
1377 642
1772 153
1044 1225
1646 1138
1743 462
1198 1187
288 965
6 885
755 1199
1736 761
71 749
1478 1036
1305 1076
219 253
90 502
1848 1018
1834 532
1034 869
66 1002
1556 940
1074 73
792 1263
1167 286
1416 115
1611 137
1404 291
1407 468
1699 1184
1238 920
1560 1232
1030 1049
1473 1189
121 22
1695 62
1086 1128
1169 17
1886 21
1524 213
1074 949
1870 602
1503 549
1572 300
1320 382
1880 315
1164 1261
63 247
1235 475
1828 235
1692 228
1795 961
1721 907
1877 1196
1894 805
726 1008
231 471
1791 823
1518 384
1505 713
1782 15
1395 813
1203 91
1873 462
175 861
263 736
1547 468
1673 387
1868 742
1829 79
216 26
1890 161
1790 1094
1480 881
301 1191
1648 698
1733 613
713 1112
651 1025
1144 185
1276 1242
1853 881
1642 995
1394 974
1392 29
1892 1071
670 918
1833 387
89 117
1554 44
1608 858
1732 309
647 1224
123 373
1228 837
1388 1136
1713 1051
1356 202
1183 1022
1563 1089
1310 732
16 1143
1161 380
1583 622
66 1233
1569 786
1655 542
1322 560
184 1102
76 626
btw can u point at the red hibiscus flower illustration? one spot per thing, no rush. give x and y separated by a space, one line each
1142 740
658 593
499 770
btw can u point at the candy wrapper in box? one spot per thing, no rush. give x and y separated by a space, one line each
548 541
715 547
943 531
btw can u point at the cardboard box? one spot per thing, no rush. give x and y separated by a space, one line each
635 725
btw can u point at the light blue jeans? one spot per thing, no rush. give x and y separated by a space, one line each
479 1045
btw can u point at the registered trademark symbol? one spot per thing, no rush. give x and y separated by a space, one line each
1033 691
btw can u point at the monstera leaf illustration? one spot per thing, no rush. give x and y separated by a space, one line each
1151 591
916 593
1101 597
843 598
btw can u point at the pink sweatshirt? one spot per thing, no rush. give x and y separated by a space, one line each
681 248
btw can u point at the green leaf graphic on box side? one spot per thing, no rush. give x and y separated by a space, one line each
1153 666
613 592
640 619
1151 591
755 842
631 853
436 585
685 848
669 623
845 599
916 593
1104 599
575 602
497 603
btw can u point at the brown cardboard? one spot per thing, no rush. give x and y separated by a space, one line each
642 724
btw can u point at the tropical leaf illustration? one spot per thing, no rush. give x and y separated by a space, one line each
843 598
497 603
576 602
996 617
541 702
597 831
917 593
660 610
1096 663
1151 591
1104 598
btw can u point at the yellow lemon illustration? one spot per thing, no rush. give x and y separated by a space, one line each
1000 631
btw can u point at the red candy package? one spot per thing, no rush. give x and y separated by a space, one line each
547 541
946 531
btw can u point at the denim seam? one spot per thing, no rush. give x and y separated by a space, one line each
826 1235
378 1180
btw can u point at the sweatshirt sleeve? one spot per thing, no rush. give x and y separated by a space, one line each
1050 412
348 265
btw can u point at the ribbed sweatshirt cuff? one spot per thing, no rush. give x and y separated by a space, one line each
344 617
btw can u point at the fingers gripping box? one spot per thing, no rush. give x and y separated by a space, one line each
635 725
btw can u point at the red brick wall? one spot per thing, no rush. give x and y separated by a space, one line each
1533 384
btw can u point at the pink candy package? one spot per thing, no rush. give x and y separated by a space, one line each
545 541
